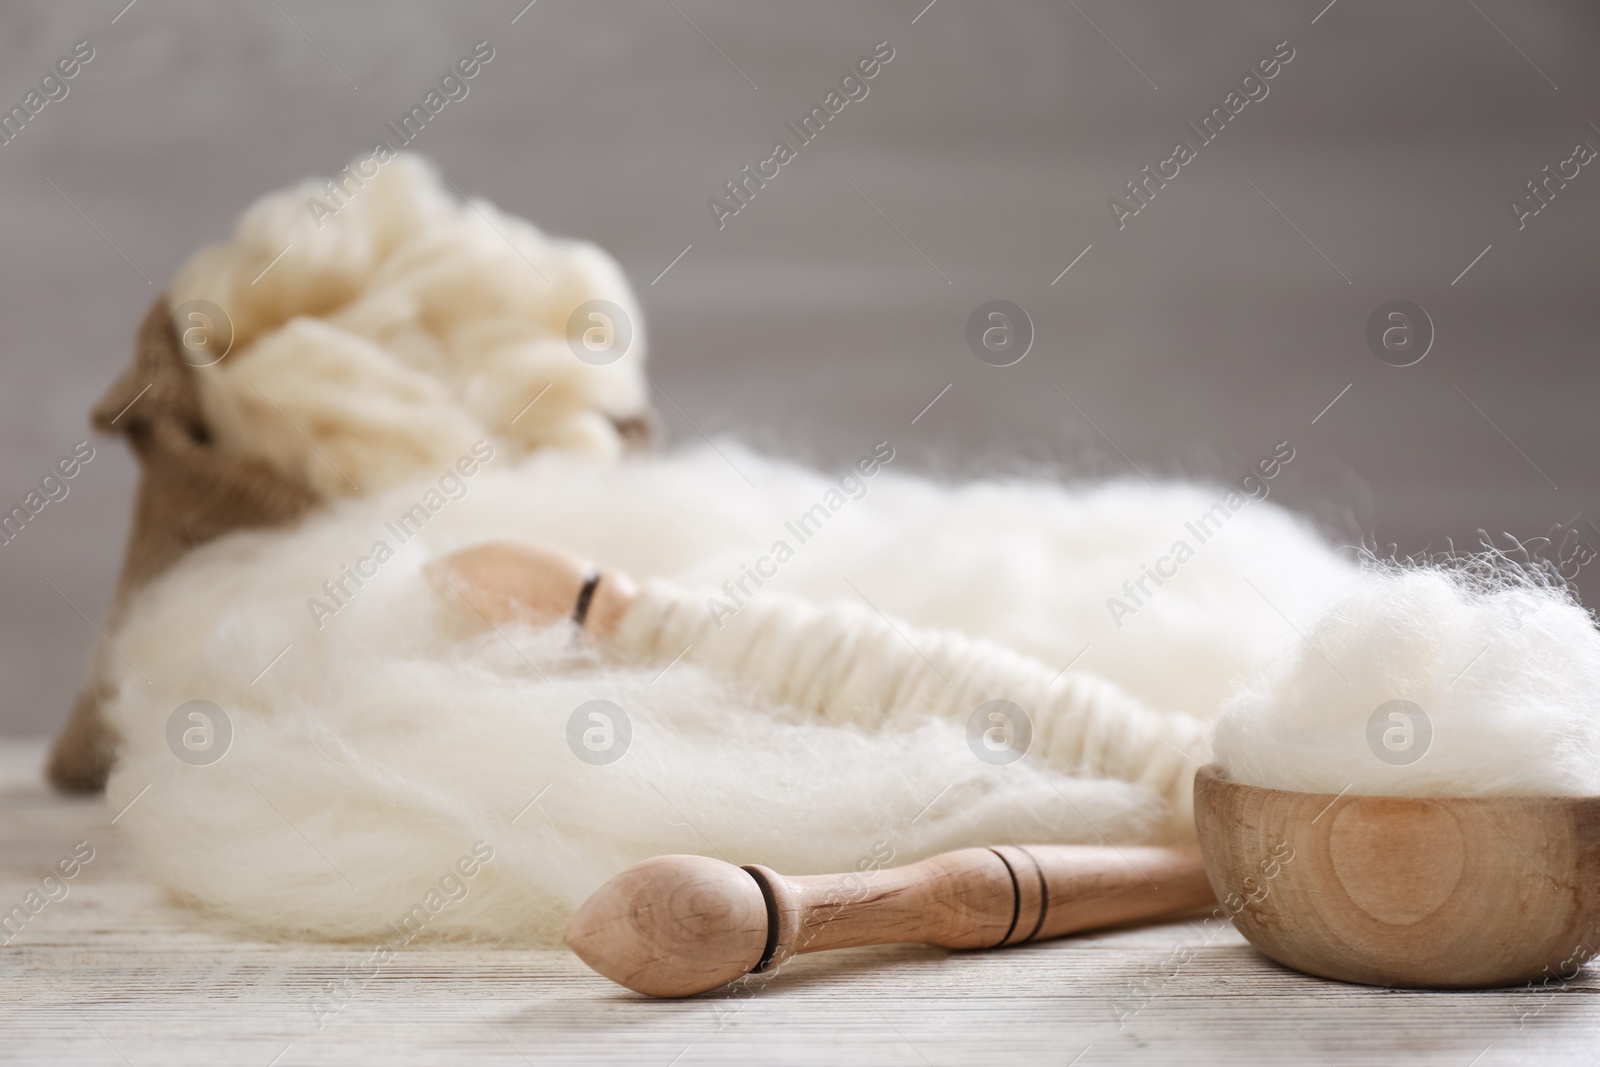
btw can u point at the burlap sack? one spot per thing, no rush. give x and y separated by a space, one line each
189 493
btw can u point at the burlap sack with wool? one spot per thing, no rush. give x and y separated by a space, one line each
316 358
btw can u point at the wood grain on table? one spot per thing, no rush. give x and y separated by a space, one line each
113 973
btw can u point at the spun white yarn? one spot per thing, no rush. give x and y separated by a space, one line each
844 663
1504 667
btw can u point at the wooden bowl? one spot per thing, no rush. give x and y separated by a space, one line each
1449 892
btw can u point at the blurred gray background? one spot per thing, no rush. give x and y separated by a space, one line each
1223 319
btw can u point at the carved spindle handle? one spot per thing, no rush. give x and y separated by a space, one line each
983 897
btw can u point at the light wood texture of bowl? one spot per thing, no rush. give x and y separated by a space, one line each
1449 892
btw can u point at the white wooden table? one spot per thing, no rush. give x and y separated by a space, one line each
114 973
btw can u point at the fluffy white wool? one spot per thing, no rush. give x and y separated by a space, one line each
1505 669
394 333
378 748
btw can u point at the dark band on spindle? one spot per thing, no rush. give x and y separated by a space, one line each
1016 900
771 902
585 596
1044 895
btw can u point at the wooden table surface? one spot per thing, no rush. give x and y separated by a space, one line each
114 973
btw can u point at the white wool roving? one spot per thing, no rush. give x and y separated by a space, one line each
389 736
1499 670
400 325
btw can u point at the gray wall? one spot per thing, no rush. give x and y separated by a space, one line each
1213 326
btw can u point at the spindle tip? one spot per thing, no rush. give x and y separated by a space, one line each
673 926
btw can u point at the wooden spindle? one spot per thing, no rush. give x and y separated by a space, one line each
678 925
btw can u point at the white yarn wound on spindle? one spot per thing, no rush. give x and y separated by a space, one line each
845 663
1501 660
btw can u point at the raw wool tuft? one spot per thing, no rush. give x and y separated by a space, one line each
383 743
391 335
1502 661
